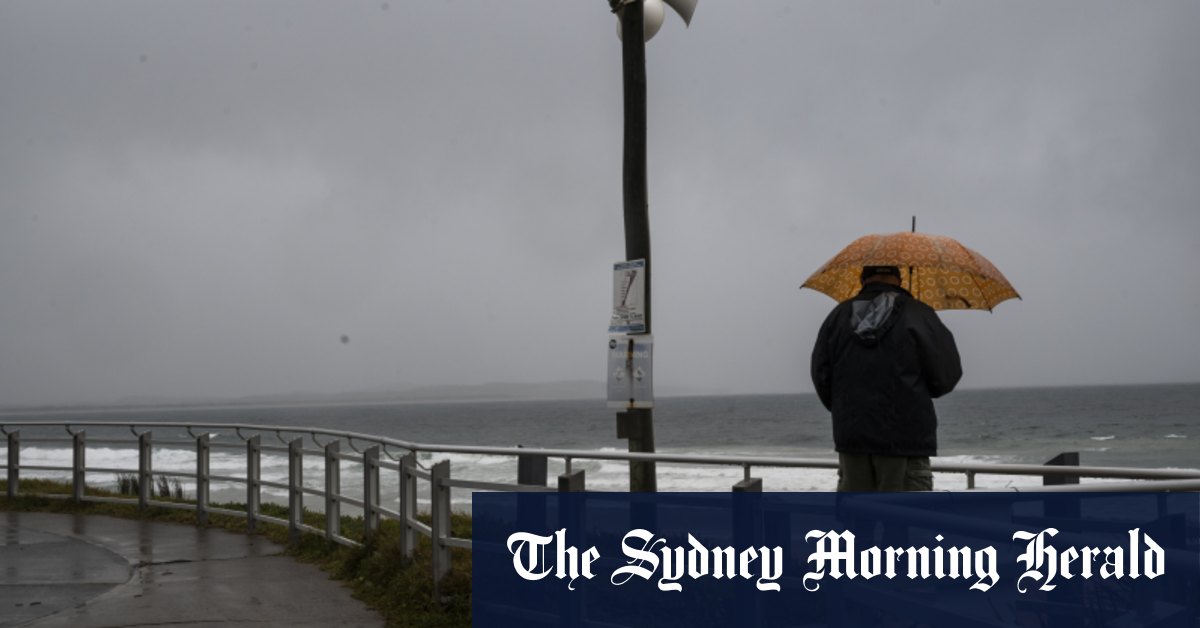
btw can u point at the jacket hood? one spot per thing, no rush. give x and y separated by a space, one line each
874 312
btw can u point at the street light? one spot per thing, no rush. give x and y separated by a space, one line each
644 16
653 13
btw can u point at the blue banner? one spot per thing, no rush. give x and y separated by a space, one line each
827 559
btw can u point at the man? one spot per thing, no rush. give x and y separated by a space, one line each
879 361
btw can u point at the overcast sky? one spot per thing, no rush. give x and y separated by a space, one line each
201 198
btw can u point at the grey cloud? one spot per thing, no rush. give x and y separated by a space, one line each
200 199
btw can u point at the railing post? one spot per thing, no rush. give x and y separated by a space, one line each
78 465
408 504
295 487
203 450
333 488
1065 459
14 463
253 480
145 471
572 482
570 514
439 497
370 492
1070 508
749 485
531 469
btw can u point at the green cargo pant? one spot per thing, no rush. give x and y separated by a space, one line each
873 472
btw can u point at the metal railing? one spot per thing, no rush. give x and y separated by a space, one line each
376 454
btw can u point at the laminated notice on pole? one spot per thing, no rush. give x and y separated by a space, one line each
629 298
630 371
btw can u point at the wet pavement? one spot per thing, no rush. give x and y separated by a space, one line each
84 571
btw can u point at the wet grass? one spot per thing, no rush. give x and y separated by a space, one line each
401 589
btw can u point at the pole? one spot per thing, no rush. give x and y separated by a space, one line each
637 216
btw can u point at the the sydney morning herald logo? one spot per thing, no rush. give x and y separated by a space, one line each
836 554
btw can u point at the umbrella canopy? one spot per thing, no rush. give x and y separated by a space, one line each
947 275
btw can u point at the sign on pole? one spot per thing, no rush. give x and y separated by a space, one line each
629 298
630 371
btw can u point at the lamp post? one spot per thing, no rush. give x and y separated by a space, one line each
639 16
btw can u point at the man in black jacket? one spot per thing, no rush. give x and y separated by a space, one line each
879 361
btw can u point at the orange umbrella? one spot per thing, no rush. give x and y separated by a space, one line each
947 275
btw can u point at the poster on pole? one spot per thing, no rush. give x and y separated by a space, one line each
630 371
629 298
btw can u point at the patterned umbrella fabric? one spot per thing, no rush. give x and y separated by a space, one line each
948 275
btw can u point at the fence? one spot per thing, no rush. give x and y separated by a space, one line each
378 454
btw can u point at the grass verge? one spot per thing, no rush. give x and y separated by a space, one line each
401 589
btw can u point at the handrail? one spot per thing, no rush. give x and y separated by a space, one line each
1132 473
436 476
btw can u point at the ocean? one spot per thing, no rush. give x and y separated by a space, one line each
1134 426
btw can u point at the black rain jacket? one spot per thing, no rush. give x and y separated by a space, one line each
879 361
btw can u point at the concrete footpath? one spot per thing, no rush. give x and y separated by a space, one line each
84 571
